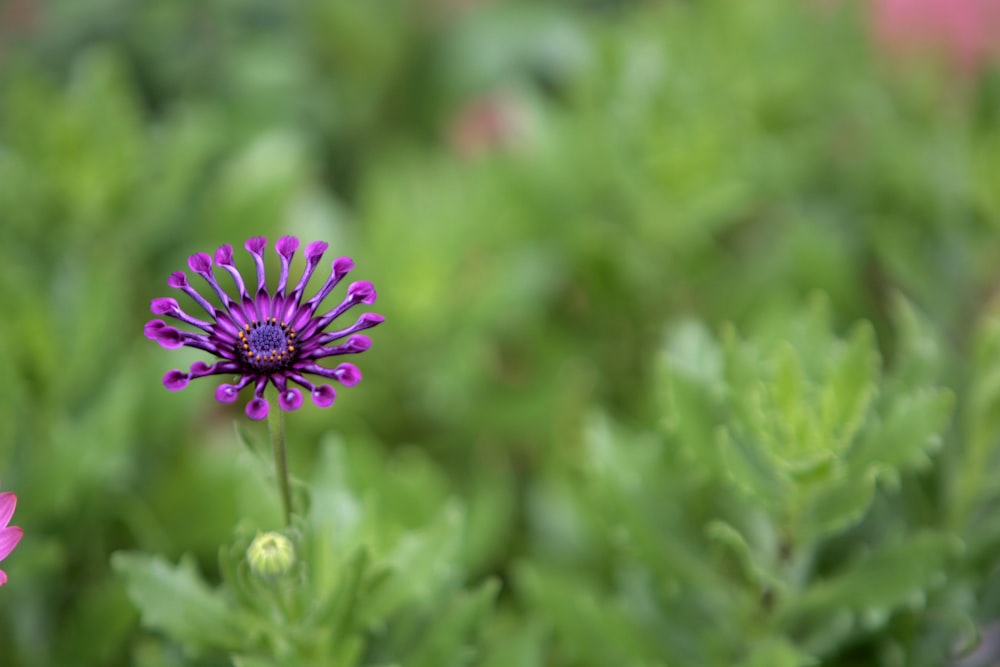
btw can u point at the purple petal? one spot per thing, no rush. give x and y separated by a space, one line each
342 266
282 308
224 255
3 577
175 380
255 247
152 327
193 293
226 393
347 374
362 292
200 369
177 280
315 250
163 306
324 395
8 501
263 303
250 308
314 253
307 325
286 246
312 368
168 306
202 342
290 399
339 268
358 343
225 328
354 345
169 337
200 263
366 321
257 408
297 377
9 537
359 292
224 258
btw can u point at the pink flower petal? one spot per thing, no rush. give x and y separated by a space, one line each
8 501
9 537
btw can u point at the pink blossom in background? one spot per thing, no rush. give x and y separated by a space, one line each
9 535
964 32
487 124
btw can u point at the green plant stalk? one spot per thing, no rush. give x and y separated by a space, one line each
276 429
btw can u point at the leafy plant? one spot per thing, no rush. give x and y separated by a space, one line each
770 518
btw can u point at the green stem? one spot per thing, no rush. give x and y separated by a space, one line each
276 428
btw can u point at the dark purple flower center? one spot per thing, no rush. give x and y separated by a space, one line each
267 346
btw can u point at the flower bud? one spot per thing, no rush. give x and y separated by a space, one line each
271 555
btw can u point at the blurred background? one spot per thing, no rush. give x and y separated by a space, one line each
538 190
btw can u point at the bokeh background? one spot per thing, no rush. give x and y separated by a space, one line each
539 191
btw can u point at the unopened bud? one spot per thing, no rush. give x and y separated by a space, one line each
271 555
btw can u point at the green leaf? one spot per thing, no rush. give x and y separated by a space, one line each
777 652
981 423
422 563
910 430
837 505
880 582
691 375
692 352
849 389
748 556
523 647
445 643
175 600
233 568
752 471
252 661
918 359
597 632
784 420
338 613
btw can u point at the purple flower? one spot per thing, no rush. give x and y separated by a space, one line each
9 535
262 336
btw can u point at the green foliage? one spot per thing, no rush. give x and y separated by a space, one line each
771 498
364 590
692 354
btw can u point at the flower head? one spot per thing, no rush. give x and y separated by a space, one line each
271 555
261 336
9 535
